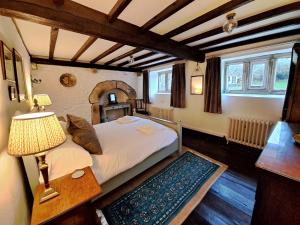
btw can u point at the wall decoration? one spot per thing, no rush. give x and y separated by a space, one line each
12 93
197 85
67 80
6 62
19 76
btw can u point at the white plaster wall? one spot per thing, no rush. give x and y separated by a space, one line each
74 100
13 203
194 117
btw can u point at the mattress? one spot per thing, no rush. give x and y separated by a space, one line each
124 145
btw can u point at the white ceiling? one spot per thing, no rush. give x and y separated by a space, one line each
138 12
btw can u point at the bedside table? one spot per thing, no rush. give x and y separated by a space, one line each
71 206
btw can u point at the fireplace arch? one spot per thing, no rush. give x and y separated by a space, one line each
97 98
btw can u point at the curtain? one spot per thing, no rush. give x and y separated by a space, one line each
212 90
178 86
146 87
291 107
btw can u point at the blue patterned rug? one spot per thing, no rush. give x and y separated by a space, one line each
162 196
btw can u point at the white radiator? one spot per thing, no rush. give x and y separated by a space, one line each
162 113
249 132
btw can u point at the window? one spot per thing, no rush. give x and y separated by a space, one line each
260 75
164 81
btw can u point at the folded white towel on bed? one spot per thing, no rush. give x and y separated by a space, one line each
126 119
147 129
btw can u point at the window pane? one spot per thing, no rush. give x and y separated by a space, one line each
169 81
257 75
234 73
282 69
162 82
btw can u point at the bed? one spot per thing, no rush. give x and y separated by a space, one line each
126 152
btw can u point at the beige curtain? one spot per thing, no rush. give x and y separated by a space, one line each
212 90
146 98
178 86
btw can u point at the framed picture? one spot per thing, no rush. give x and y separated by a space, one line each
19 76
6 62
12 92
197 85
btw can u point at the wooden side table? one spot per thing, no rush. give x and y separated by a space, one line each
72 205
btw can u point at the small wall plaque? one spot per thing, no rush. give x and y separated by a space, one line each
67 80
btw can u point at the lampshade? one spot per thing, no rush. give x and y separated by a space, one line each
34 133
42 99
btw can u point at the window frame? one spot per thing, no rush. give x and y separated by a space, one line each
268 88
166 90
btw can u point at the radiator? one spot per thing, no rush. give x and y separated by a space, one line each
249 132
162 113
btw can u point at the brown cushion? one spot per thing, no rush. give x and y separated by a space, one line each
84 134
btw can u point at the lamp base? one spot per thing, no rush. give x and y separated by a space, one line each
48 194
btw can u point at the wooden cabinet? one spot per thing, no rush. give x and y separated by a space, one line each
278 188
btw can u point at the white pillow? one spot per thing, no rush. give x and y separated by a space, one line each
65 159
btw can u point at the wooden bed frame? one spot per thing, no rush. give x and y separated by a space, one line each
32 169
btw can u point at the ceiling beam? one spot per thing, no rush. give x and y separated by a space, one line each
164 14
78 18
150 61
53 39
286 23
227 7
133 51
247 21
107 52
81 65
20 34
146 55
117 10
167 12
255 40
158 64
84 47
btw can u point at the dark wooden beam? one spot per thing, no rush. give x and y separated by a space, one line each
117 10
146 55
227 7
107 52
78 18
133 51
84 47
167 12
20 34
295 21
81 65
160 63
150 61
53 39
255 40
246 21
58 2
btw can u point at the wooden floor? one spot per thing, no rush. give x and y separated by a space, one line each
230 200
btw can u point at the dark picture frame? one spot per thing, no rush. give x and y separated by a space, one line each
19 76
12 93
196 85
6 58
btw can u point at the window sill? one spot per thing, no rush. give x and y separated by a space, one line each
162 93
254 95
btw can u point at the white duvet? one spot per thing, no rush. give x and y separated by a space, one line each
124 145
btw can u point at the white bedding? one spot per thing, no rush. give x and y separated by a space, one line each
124 145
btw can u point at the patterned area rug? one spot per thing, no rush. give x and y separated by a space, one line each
162 196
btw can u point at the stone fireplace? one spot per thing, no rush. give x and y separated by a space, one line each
101 111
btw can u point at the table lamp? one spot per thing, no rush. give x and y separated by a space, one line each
40 101
34 134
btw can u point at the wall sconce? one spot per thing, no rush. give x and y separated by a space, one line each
197 85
